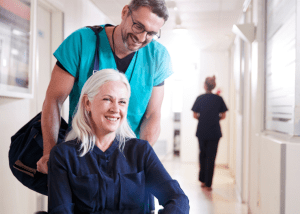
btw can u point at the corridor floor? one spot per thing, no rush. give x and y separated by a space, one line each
221 200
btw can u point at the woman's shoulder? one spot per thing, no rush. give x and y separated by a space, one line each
211 96
201 97
218 97
137 144
137 149
66 147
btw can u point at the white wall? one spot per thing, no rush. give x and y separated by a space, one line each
257 105
292 183
232 118
164 143
15 198
189 147
80 13
185 62
273 179
270 175
14 113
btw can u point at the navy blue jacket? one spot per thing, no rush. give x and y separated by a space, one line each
110 181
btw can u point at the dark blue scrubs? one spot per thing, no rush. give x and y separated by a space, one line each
111 181
209 106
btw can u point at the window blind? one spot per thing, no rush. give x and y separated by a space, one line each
280 65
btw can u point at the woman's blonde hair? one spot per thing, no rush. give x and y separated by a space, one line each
81 123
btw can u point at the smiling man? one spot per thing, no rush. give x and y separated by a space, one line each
129 47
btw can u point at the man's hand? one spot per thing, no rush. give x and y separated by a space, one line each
42 164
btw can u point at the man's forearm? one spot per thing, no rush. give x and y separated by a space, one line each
50 127
150 129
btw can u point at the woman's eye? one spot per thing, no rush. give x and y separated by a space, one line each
123 102
106 99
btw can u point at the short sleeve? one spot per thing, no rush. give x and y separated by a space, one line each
69 52
223 107
195 107
164 65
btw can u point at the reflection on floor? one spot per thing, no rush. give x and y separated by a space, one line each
221 200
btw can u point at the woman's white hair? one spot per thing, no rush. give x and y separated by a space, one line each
81 123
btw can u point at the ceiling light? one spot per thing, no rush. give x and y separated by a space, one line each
4 62
18 32
14 52
179 29
171 4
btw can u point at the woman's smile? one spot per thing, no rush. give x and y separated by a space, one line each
112 118
109 107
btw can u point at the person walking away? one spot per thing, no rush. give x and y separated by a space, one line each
208 109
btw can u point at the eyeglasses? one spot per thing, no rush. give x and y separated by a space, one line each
139 28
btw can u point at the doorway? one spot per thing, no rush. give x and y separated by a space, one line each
49 21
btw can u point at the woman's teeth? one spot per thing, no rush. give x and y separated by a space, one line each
112 118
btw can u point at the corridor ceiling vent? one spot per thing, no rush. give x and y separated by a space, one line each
245 31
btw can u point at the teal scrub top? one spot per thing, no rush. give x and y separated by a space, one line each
150 66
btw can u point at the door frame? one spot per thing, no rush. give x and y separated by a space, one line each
56 38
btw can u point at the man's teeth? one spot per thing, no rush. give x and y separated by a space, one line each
134 40
112 118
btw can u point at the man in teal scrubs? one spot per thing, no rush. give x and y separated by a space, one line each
128 47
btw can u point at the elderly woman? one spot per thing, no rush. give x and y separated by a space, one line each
208 109
102 167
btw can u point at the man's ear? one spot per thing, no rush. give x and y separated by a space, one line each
86 102
125 12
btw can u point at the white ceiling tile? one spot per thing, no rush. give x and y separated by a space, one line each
198 6
123 2
200 16
209 22
228 6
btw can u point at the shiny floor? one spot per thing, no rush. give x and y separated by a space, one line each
221 200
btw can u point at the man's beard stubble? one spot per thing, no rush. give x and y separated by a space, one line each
130 35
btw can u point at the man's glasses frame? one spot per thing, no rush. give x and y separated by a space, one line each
138 29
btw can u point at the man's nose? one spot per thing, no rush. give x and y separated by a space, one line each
142 37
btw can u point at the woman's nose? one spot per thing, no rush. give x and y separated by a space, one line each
114 107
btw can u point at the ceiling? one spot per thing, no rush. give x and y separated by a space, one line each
208 22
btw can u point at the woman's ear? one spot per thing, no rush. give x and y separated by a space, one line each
86 102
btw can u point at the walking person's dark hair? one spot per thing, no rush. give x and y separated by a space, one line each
157 7
210 83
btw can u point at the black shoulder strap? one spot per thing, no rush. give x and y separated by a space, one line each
97 29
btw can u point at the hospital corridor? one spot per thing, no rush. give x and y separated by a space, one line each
222 199
222 77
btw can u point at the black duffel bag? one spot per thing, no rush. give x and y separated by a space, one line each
27 144
25 151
